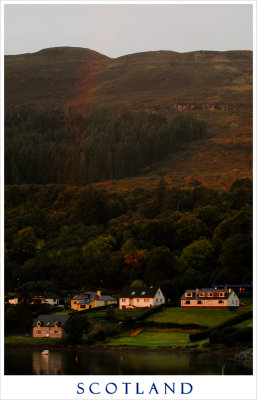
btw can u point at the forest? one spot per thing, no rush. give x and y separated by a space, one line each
67 238
53 146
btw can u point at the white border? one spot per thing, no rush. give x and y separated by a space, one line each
65 387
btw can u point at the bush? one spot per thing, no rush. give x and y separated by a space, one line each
231 336
150 311
194 337
155 324
99 335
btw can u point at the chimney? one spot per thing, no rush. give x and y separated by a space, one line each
229 290
197 292
98 293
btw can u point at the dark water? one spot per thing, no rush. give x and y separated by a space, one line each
72 362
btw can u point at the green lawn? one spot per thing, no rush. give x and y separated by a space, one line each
243 324
19 339
204 316
152 339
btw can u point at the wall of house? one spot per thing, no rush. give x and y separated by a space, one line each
52 302
159 298
74 304
123 302
211 303
47 331
233 300
82 307
13 301
136 302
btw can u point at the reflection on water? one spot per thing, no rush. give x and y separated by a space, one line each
72 362
46 365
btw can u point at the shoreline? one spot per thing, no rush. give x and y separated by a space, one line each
128 348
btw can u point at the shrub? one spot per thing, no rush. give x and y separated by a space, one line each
194 337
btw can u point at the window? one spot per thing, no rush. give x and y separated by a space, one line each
199 302
210 294
221 301
188 302
39 332
201 294
143 293
156 300
232 301
189 294
133 293
75 302
146 300
123 300
160 300
221 294
55 331
82 306
137 300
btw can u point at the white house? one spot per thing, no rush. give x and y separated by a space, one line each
210 297
140 296
48 298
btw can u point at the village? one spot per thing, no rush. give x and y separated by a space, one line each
142 316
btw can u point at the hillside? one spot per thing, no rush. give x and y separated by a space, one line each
160 79
212 86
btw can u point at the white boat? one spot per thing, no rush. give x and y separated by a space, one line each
46 353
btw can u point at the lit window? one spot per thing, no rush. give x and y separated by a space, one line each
146 300
123 300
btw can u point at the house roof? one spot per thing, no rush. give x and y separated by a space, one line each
85 295
206 290
91 296
49 320
139 291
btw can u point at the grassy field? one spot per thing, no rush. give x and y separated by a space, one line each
153 339
207 317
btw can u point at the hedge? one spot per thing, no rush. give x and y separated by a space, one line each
231 322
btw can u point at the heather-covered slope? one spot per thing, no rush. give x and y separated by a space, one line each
215 87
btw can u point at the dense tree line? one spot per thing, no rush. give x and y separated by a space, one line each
68 238
53 146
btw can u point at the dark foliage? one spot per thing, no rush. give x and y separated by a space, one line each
50 146
69 238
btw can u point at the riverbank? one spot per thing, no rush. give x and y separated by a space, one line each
242 353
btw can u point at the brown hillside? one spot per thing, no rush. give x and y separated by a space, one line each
214 86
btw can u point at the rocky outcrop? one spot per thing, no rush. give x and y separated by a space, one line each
245 355
193 106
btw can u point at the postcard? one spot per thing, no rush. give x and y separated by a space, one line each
128 139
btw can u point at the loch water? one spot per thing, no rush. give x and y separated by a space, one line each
30 361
